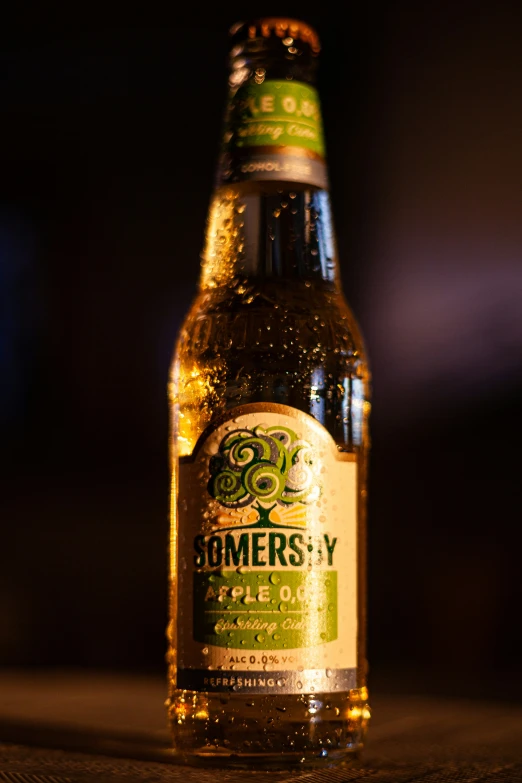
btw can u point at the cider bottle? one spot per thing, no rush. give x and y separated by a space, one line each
269 396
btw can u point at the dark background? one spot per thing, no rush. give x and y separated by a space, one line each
109 136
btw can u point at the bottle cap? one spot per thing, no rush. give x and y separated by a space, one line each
281 27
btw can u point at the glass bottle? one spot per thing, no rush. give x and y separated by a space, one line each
269 396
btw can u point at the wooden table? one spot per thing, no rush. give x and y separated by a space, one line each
63 727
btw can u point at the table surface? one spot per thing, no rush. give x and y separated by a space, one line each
63 727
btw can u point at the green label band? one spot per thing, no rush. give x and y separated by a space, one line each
280 114
274 131
260 611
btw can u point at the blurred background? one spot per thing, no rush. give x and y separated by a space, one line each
110 132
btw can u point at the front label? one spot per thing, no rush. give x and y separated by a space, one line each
274 132
267 557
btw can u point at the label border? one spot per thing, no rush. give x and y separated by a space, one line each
268 407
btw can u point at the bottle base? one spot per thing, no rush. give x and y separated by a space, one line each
221 758
287 731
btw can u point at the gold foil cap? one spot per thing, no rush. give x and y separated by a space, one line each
280 27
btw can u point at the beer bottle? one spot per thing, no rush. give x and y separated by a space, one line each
269 396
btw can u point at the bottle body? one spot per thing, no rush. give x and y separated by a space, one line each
269 396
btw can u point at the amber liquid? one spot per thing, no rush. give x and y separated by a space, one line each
270 324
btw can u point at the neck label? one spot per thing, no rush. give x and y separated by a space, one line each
274 132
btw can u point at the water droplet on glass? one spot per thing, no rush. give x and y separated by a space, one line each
274 578
205 650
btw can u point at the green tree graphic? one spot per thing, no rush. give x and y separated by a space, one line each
270 465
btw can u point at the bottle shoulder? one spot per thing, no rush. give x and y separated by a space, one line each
285 315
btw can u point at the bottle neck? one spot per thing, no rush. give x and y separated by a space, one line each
270 214
281 232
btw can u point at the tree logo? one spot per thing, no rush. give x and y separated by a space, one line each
271 466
